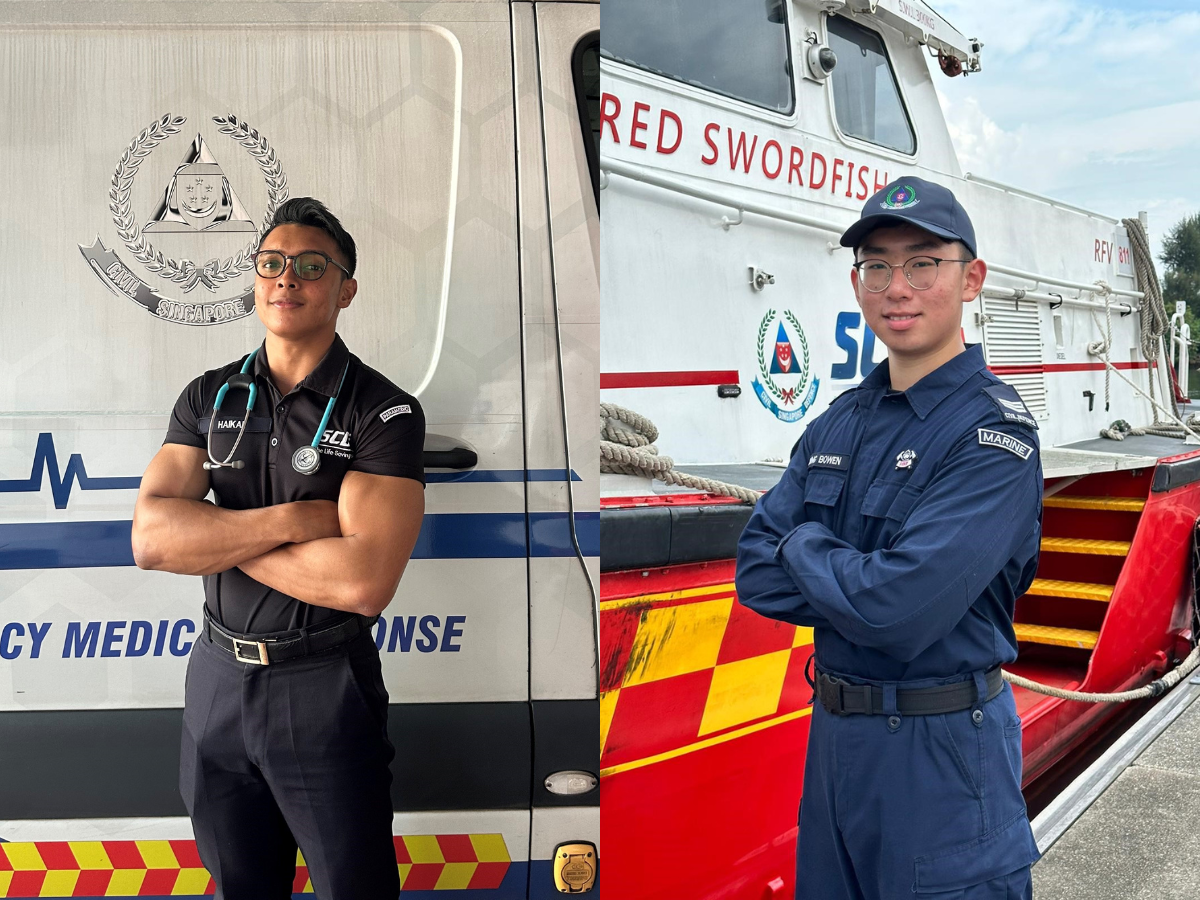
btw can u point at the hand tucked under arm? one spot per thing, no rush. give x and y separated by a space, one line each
358 572
763 584
962 531
174 530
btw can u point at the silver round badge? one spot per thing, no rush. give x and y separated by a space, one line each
306 460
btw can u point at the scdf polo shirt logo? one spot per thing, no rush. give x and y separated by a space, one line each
336 443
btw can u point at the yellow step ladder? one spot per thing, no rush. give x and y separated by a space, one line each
1059 637
1086 546
1110 504
1079 590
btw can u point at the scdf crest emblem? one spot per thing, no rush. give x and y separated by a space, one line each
784 376
199 198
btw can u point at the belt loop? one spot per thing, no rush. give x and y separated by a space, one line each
890 709
811 666
981 695
305 641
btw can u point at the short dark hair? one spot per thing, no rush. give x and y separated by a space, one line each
314 214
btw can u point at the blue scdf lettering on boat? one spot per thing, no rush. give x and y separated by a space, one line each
784 367
849 368
424 634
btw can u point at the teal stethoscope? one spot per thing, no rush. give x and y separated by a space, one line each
306 460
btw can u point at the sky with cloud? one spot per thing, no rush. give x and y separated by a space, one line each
1092 103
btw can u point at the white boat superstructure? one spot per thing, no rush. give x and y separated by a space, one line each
725 188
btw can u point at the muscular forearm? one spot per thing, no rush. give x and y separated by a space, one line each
194 537
337 573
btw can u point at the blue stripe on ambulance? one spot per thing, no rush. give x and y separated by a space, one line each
60 545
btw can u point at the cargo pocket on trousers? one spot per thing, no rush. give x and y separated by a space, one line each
998 853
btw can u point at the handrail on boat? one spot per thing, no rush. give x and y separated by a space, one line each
1019 294
1062 282
647 175
1021 192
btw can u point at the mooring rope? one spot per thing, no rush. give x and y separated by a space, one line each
1156 688
627 448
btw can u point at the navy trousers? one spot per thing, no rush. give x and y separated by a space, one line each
294 754
919 806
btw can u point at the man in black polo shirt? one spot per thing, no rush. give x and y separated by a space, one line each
285 715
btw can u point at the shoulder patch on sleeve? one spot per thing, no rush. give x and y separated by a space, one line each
395 411
1010 405
989 438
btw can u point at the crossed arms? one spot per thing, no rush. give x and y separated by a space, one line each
962 530
347 555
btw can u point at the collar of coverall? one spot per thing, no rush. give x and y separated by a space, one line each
931 390
324 379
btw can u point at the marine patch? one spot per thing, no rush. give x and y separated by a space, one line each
394 411
838 461
1009 405
989 438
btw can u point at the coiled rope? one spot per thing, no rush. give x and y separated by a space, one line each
627 448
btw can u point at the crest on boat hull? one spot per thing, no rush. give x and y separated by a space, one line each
782 380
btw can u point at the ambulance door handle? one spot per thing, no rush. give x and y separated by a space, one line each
458 458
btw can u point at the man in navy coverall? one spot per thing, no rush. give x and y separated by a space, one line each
903 531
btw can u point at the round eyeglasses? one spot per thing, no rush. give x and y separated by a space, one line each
308 266
921 271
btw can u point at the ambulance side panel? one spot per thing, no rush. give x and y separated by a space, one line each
399 116
560 296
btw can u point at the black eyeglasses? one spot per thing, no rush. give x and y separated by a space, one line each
308 266
921 271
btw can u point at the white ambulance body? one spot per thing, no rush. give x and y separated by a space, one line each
455 141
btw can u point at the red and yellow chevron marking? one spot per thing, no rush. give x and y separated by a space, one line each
165 868
685 669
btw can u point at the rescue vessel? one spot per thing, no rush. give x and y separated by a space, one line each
727 177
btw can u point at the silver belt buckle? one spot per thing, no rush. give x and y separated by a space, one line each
253 652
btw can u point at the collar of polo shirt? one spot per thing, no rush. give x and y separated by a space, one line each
323 379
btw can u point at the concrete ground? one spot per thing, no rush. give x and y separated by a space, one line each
1141 839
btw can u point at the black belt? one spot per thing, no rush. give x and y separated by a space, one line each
262 650
842 698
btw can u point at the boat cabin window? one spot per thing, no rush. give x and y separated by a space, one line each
585 71
738 48
866 99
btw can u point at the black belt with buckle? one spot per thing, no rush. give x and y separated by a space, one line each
842 698
262 650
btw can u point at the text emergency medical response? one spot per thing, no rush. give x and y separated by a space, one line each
904 529
285 713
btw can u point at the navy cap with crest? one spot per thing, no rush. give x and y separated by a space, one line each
914 201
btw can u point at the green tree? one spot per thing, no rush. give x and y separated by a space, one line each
1181 281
